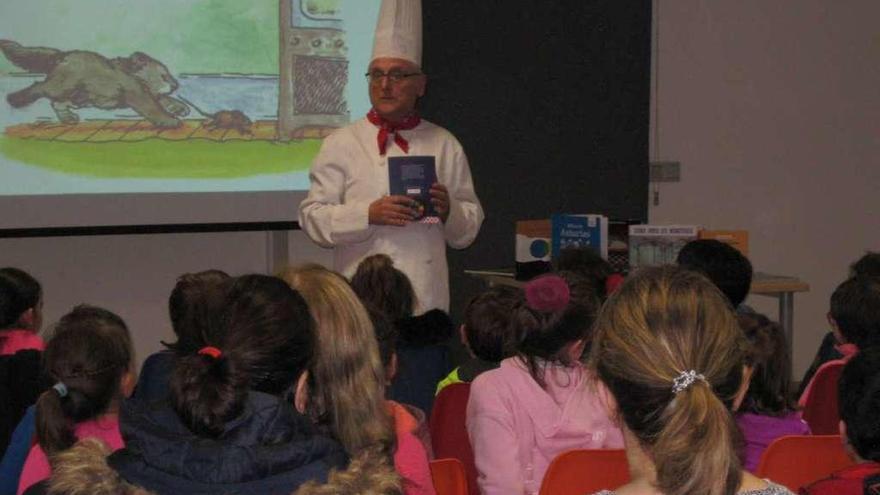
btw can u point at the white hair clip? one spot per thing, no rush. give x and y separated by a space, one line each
60 389
685 379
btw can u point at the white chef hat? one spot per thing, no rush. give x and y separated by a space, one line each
399 31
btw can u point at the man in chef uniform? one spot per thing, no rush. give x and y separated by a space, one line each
349 208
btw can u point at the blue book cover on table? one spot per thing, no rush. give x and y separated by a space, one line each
413 176
579 231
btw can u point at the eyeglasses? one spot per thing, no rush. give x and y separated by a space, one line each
395 76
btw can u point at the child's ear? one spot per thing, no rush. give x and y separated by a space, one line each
391 370
301 396
608 402
462 335
743 387
576 350
27 319
835 330
127 384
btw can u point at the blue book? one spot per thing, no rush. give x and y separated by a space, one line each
413 176
579 231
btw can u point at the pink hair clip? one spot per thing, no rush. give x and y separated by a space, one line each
211 351
547 293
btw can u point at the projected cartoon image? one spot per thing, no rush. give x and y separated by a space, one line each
79 79
175 95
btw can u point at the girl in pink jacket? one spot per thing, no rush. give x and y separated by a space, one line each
542 401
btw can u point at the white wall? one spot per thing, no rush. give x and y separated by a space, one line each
773 110
133 275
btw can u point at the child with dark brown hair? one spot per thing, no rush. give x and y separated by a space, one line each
90 359
486 333
768 410
21 305
540 402
859 399
422 356
234 421
193 306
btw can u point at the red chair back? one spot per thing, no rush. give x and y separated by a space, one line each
820 409
798 460
449 436
448 477
576 472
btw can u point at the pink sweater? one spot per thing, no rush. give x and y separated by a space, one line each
411 461
19 340
516 428
36 466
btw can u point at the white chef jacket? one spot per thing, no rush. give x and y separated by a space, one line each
348 174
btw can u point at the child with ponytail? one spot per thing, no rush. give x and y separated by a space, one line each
542 401
90 359
234 422
673 358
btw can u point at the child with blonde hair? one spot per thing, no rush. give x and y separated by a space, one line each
347 387
670 352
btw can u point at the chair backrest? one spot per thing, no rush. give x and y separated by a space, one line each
820 409
798 460
448 477
449 436
580 471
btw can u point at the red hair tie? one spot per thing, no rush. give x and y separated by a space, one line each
211 351
548 293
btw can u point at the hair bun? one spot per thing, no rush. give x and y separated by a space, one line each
547 293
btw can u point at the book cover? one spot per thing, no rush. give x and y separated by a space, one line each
651 245
579 231
413 176
736 238
618 244
532 248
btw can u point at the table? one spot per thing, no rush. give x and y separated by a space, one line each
781 287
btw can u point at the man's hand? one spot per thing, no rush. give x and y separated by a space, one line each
392 210
440 200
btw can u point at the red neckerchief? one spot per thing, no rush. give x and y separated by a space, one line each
386 128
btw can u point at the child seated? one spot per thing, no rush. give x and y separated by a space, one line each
21 308
668 349
408 419
867 266
768 410
422 356
90 359
542 401
588 263
485 333
723 264
193 306
21 302
235 420
347 380
859 396
855 321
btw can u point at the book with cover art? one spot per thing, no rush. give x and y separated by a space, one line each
412 176
532 248
651 245
579 231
